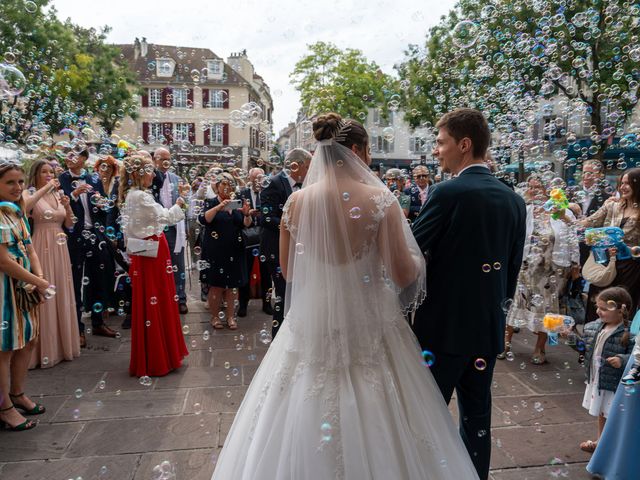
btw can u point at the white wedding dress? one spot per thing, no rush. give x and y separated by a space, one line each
343 392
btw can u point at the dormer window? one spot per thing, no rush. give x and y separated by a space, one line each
214 68
165 67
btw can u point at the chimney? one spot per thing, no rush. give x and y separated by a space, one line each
144 48
136 49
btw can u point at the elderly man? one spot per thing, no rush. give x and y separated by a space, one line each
272 199
592 176
419 190
395 181
165 186
251 194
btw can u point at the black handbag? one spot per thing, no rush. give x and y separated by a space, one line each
251 236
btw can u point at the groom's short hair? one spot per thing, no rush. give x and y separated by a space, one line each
468 123
299 155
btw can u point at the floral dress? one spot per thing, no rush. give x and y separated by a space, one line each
17 328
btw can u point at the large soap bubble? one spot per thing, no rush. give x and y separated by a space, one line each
12 81
465 34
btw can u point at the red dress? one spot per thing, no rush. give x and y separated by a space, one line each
157 343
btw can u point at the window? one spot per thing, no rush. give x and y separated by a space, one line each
418 144
214 68
180 98
164 67
217 98
380 145
216 135
155 133
379 120
155 97
180 132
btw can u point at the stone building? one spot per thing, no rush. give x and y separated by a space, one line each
205 109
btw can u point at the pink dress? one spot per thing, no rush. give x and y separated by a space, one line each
59 334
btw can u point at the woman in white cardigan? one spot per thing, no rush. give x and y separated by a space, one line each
157 343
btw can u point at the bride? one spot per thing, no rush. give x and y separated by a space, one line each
343 392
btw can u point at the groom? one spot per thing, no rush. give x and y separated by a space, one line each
472 231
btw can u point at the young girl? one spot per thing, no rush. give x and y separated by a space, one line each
608 348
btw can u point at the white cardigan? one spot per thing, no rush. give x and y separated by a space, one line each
142 216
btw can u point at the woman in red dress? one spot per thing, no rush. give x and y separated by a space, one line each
157 343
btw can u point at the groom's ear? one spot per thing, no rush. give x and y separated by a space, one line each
465 145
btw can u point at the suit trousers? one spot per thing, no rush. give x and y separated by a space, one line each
177 259
86 265
265 280
472 381
280 288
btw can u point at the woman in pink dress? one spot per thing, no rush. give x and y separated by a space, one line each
59 336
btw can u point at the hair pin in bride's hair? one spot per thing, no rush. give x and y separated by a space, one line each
343 127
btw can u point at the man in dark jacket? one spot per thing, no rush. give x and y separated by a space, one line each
472 231
272 199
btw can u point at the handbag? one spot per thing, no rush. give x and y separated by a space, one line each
251 236
26 295
142 248
598 274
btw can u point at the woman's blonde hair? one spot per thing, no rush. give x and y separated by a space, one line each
131 174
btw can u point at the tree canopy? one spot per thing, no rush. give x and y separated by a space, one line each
342 81
70 74
519 59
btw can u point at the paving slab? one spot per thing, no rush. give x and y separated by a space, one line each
575 471
187 464
56 382
214 400
119 467
44 442
547 409
142 435
128 404
189 377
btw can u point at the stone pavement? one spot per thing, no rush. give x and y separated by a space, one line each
102 424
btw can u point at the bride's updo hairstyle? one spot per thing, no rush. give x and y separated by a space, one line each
346 132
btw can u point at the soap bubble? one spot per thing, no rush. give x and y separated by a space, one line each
12 81
465 34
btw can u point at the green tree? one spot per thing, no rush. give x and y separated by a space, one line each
72 76
516 59
342 81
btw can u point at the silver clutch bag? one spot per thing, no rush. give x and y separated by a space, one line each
142 248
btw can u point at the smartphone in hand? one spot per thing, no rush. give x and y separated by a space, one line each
233 205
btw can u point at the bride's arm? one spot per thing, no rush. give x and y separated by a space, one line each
399 262
285 238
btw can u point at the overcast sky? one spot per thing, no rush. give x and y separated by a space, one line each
274 33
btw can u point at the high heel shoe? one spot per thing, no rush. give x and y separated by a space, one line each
36 410
507 349
232 324
26 425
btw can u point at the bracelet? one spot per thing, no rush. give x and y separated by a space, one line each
41 275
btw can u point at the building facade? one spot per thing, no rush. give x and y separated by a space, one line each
202 108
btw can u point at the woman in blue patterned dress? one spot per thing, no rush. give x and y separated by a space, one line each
19 267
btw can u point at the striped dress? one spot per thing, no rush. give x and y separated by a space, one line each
17 328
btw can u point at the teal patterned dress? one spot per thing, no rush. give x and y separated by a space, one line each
17 328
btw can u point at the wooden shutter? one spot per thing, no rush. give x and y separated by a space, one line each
145 99
205 99
189 97
225 100
225 134
192 133
167 130
145 132
167 101
207 136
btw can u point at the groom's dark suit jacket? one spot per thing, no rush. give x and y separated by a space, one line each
469 224
272 199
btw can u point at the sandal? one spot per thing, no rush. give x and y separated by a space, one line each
507 349
539 358
232 324
217 324
589 446
36 410
26 425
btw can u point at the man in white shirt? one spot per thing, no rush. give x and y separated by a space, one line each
176 235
